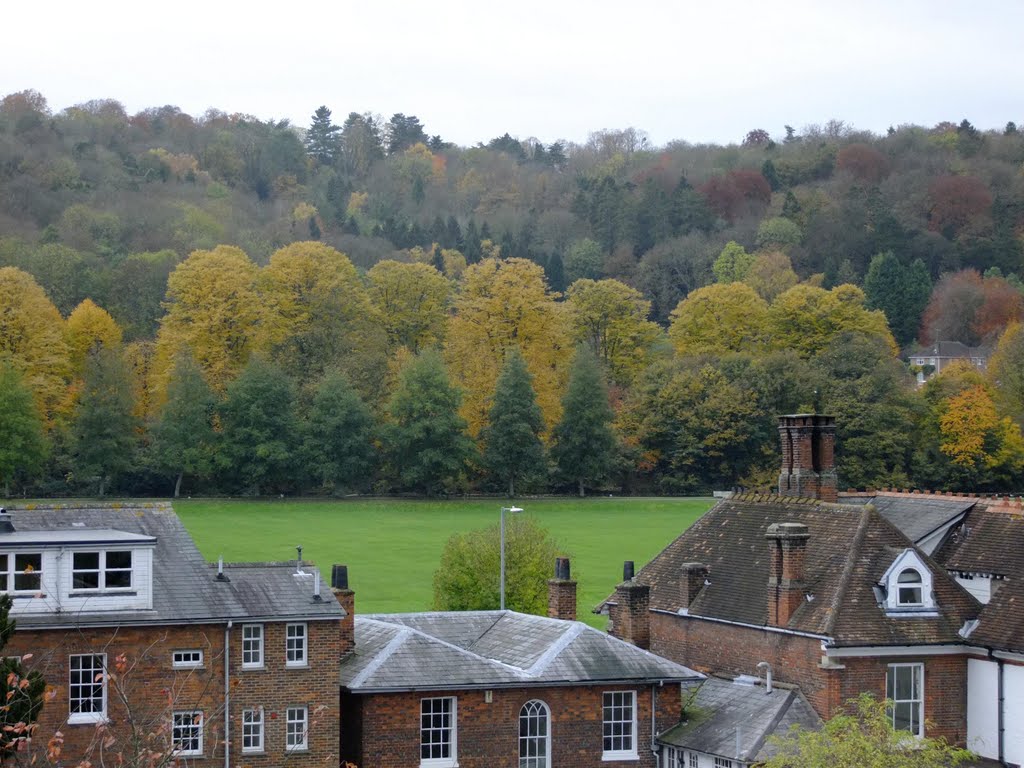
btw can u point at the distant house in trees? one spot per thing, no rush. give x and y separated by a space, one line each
931 360
130 626
484 688
913 597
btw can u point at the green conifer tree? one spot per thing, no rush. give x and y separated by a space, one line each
338 436
104 434
22 446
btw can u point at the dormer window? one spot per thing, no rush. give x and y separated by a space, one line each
103 571
908 588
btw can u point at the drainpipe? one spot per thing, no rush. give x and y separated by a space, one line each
654 705
227 695
1002 713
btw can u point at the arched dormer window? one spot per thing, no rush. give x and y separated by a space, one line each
534 735
908 588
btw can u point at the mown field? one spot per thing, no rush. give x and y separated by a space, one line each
393 547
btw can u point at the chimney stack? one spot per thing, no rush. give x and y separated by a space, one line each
562 592
6 523
788 545
347 599
808 456
691 581
630 616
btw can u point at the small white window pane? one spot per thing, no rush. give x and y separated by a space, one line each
252 645
297 728
252 730
187 733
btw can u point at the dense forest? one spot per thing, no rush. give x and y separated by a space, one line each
223 304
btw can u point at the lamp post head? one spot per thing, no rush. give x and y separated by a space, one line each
513 510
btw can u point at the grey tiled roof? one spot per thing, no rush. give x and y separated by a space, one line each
185 587
725 714
471 649
915 517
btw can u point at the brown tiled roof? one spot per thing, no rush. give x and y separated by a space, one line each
990 540
1002 620
847 554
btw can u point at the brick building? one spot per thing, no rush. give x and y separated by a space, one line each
487 689
912 597
132 628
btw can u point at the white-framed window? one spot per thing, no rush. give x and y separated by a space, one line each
87 688
22 572
694 760
673 758
297 729
438 732
295 645
619 717
252 730
723 762
252 646
904 687
534 735
187 733
908 588
106 571
190 659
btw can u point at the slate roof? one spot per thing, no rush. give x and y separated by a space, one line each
185 588
492 649
848 552
916 516
723 709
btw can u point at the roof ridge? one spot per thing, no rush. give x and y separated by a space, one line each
544 660
844 579
378 660
759 742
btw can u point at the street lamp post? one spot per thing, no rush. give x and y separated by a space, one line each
513 510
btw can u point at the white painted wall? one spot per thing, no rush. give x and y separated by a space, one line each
979 586
1013 716
983 707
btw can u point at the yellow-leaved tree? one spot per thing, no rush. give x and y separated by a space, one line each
719 318
412 300
213 311
807 319
33 339
317 315
611 317
505 304
90 327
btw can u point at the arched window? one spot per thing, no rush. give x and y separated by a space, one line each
908 588
534 735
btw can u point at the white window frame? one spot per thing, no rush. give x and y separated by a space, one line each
910 586
723 762
694 760
252 645
532 711
451 731
187 724
10 573
296 741
917 670
97 668
193 660
296 644
909 559
618 703
252 730
102 570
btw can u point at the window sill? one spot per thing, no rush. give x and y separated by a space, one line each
293 750
187 667
611 757
254 668
26 595
87 718
126 592
439 762
253 751
292 665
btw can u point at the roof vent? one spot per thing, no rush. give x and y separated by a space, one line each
221 576
6 524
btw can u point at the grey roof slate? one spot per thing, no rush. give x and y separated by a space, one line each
73 536
721 709
185 588
915 517
471 649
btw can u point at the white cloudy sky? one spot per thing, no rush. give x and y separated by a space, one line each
472 70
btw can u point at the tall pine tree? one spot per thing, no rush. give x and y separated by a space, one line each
338 437
512 447
322 140
584 444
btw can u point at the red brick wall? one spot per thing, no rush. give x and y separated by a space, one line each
488 734
154 689
724 648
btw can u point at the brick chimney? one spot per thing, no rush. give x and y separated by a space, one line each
691 581
808 456
788 546
562 592
347 599
630 617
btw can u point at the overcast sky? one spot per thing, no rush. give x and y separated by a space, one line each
471 70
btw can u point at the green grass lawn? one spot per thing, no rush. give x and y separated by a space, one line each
392 547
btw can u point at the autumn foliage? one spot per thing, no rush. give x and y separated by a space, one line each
956 202
864 163
736 192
